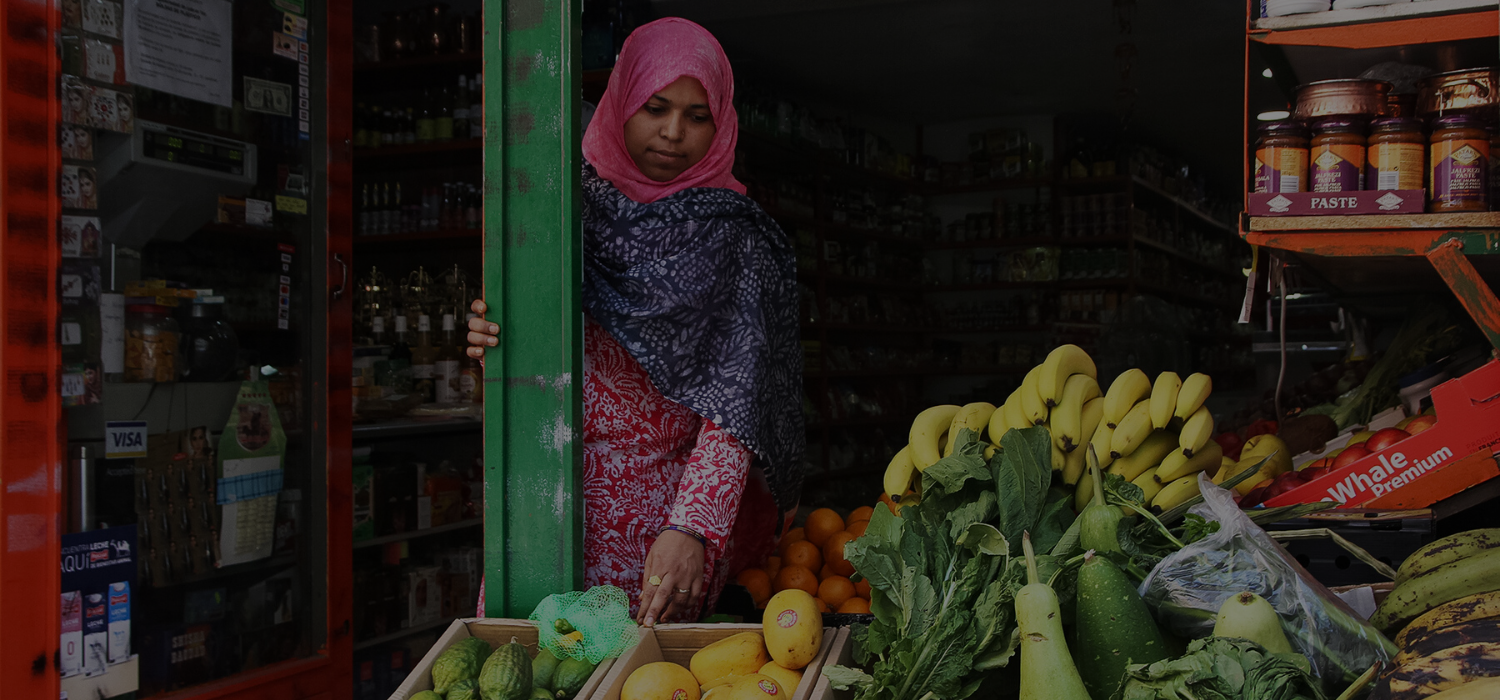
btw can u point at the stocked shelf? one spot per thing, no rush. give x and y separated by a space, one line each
988 286
1020 183
1182 204
1400 24
1418 224
454 60
415 428
871 282
454 237
995 243
468 147
413 534
403 633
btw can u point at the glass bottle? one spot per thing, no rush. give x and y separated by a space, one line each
476 107
409 127
424 361
461 109
449 362
388 129
443 116
426 125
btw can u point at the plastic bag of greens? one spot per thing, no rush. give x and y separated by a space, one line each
1187 588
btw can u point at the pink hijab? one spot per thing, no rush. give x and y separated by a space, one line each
653 57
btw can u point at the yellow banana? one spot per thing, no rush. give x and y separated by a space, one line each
1149 486
926 432
974 416
1480 606
1445 550
1477 689
1103 435
1084 492
1090 417
1125 392
1164 399
1448 582
1175 493
1152 451
1132 430
1197 432
989 452
1093 412
1073 465
1063 362
898 474
1194 392
1067 417
1033 407
1449 668
1059 458
999 421
1177 465
1485 631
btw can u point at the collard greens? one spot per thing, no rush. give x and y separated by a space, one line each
943 576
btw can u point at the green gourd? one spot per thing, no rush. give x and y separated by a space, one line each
1099 523
506 674
1249 616
541 694
571 676
1047 671
1114 627
543 668
466 689
458 662
426 695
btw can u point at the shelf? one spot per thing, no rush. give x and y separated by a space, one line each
989 286
413 534
872 282
1378 222
994 243
420 239
408 427
466 147
1169 250
455 60
403 633
1183 204
1401 24
259 565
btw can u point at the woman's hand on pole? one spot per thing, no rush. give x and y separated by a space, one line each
676 561
482 333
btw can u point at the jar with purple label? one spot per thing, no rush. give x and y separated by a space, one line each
1460 164
1281 157
1338 155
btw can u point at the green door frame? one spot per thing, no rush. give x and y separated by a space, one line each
533 459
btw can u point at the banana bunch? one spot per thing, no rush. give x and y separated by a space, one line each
1445 616
1155 434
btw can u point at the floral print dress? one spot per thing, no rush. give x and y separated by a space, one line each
649 463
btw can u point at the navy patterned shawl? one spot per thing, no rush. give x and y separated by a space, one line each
701 289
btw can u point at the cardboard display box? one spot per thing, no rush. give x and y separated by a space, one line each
1443 460
840 653
1338 203
678 643
496 631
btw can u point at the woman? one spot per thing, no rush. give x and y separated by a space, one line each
693 432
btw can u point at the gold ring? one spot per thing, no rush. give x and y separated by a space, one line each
654 580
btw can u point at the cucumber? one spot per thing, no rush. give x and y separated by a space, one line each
1047 671
1114 627
1099 522
542 669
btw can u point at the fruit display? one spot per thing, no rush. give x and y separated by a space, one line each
1444 615
811 559
744 666
471 670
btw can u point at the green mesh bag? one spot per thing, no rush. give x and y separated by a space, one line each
602 616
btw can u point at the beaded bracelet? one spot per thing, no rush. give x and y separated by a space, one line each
686 531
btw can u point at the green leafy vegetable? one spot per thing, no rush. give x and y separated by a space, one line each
942 575
1216 668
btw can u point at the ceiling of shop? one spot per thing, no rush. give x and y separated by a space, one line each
935 61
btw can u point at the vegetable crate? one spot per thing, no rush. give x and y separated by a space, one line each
840 653
496 631
1451 456
678 643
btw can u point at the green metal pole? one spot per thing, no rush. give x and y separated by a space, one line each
533 528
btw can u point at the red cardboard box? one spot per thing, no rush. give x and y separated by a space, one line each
1468 410
1338 203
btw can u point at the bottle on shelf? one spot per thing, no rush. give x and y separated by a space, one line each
426 122
472 212
476 107
388 128
461 109
364 210
400 351
424 361
443 116
449 363
409 127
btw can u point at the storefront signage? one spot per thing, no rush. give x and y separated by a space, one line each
182 47
125 439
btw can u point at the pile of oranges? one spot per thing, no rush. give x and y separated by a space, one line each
811 558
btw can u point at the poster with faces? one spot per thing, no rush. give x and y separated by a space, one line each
79 236
103 108
79 188
76 99
76 142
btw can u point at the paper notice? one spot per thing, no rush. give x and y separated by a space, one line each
112 332
182 47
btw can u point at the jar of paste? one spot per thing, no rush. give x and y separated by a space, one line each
1281 158
151 339
1397 155
1459 165
1338 155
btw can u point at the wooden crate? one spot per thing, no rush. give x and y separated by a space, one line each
496 631
678 643
840 653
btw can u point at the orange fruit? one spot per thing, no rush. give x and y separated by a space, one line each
855 605
833 553
822 524
858 528
757 582
773 566
886 499
822 605
803 554
826 572
834 590
795 534
861 513
862 588
798 577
